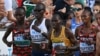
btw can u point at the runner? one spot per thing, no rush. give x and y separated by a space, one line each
39 31
86 34
63 41
20 32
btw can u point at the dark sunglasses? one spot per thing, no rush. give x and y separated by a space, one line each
76 9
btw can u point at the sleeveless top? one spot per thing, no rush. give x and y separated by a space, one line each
61 40
21 45
84 36
37 37
74 25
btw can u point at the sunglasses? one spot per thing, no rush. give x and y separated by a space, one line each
76 9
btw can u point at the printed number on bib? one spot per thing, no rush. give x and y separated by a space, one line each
85 48
18 38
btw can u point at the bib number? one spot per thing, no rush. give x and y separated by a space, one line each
85 48
56 44
18 38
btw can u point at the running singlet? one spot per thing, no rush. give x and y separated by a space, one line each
84 37
37 37
61 40
21 45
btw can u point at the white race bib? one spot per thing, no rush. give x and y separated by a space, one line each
60 44
18 38
85 48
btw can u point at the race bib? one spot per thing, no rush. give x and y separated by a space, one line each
85 48
37 38
59 44
18 38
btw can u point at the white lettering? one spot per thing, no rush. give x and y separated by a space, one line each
86 39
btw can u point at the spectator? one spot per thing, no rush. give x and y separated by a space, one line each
49 8
77 21
96 9
81 1
29 6
8 9
70 15
6 13
98 20
2 9
63 6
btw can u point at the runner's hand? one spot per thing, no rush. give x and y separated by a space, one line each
9 44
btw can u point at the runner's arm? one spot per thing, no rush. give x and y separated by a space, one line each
73 40
4 39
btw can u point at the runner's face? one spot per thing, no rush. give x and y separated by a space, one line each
20 14
39 11
86 17
56 21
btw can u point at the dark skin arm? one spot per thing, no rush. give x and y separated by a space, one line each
49 27
76 32
72 39
96 31
6 35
